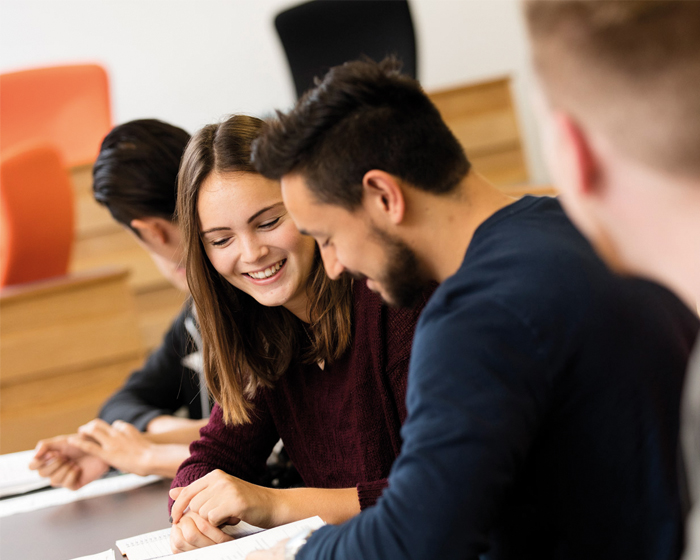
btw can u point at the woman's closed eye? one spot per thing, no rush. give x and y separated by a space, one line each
269 224
219 242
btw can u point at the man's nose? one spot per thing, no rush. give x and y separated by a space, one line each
333 266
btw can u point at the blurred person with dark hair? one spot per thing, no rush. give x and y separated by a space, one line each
543 389
619 102
135 178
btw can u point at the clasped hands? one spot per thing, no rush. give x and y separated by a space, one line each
217 499
74 460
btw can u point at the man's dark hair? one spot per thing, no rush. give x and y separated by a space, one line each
135 175
363 115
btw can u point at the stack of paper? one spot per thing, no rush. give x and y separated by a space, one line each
15 476
106 555
156 544
60 496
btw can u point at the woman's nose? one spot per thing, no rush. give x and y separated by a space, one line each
252 251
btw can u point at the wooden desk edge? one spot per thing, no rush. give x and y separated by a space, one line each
71 281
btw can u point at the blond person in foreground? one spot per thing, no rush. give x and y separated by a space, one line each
621 112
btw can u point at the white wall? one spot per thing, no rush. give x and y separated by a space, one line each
190 62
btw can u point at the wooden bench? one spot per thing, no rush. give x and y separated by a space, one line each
66 345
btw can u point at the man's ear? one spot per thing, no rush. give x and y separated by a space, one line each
579 163
152 230
383 196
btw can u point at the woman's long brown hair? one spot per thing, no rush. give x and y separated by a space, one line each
245 344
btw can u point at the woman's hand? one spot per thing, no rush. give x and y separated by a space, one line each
191 531
221 499
66 465
121 445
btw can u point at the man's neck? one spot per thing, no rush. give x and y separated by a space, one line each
445 224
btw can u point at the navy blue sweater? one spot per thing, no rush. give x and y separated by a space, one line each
543 410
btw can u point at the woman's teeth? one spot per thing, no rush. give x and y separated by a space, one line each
267 272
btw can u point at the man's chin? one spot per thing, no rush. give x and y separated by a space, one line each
376 287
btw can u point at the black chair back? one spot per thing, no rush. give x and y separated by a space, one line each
321 34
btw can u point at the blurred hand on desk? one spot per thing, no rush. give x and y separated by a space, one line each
74 460
66 465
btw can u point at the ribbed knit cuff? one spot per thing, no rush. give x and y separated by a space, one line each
369 492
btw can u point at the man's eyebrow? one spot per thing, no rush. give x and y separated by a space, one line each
264 210
311 233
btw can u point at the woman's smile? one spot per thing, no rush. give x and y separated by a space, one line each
266 275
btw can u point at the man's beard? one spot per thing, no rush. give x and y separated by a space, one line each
404 280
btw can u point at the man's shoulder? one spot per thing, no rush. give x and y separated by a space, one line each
525 256
532 264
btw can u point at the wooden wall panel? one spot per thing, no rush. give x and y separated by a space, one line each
483 119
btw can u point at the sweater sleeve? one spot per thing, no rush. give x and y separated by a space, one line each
472 412
369 492
161 386
397 329
239 450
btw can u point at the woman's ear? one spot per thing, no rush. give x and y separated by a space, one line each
383 197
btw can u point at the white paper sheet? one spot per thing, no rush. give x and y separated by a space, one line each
156 544
239 549
106 555
60 496
15 476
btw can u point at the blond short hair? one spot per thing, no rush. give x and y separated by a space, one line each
628 69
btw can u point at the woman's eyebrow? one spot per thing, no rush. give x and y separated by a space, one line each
211 230
264 210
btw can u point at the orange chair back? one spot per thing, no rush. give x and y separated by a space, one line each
67 106
36 211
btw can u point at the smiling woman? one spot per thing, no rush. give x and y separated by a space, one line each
257 249
288 354
234 224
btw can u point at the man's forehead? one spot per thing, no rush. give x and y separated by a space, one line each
295 190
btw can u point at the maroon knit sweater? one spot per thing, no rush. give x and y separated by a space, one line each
340 425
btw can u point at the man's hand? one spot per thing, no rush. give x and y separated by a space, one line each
120 445
66 465
191 532
274 553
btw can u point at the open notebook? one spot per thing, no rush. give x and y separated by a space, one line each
248 538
